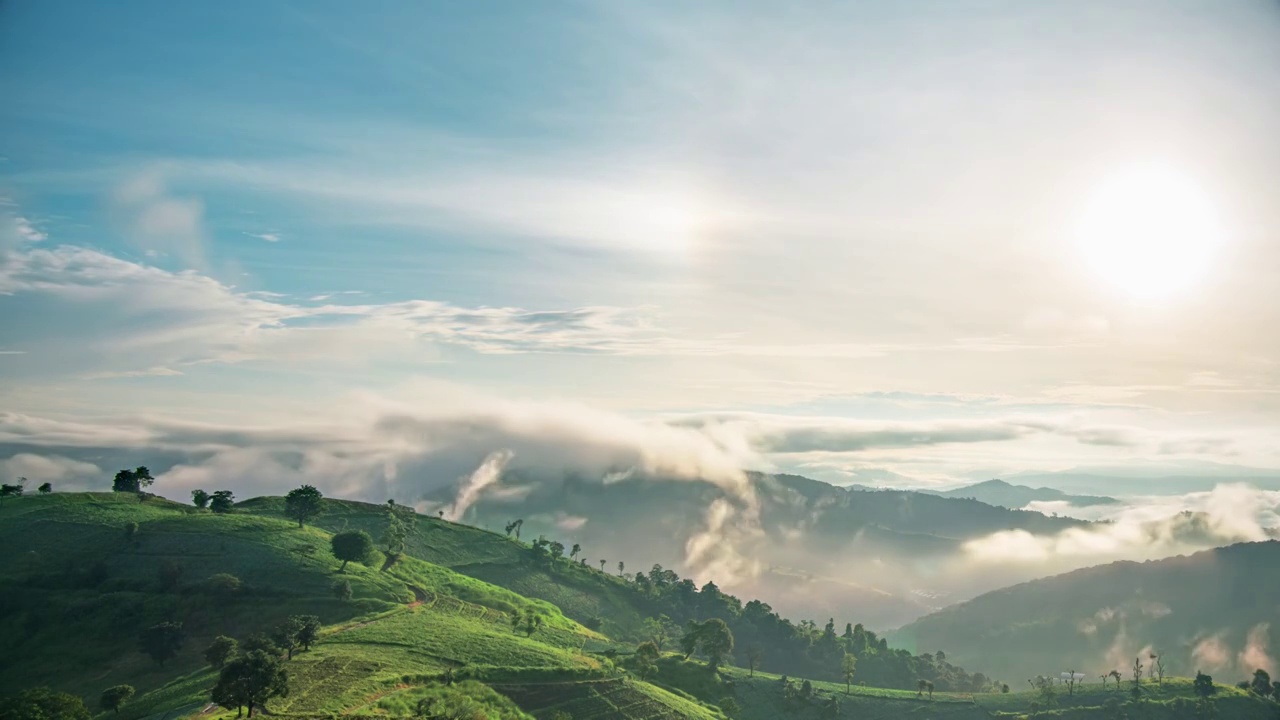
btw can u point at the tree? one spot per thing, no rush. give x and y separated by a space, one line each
1115 675
251 681
1071 682
259 642
527 622
920 687
308 630
689 640
848 666
222 585
124 481
573 551
716 641
603 562
285 636
303 504
43 704
658 630
200 498
622 567
557 550
928 685
45 489
162 641
729 706
1157 668
646 658
7 490
1204 685
754 656
352 545
113 697
396 535
1137 671
221 501
1261 683
342 590
221 650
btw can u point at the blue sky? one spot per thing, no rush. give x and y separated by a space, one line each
835 238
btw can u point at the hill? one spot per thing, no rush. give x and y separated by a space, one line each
82 581
818 550
1216 611
86 573
1003 494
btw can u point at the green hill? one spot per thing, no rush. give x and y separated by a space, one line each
85 574
1200 612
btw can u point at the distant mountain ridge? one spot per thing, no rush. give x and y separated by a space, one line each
817 550
1003 494
1216 611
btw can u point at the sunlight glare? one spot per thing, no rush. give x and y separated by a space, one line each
1151 231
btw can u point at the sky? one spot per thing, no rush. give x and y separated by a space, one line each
370 244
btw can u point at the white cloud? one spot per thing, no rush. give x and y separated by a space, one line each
156 221
270 237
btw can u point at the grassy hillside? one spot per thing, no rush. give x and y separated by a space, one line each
77 592
1199 611
80 582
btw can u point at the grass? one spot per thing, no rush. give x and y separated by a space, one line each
75 593
621 698
77 631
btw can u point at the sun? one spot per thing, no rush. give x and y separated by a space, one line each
1151 231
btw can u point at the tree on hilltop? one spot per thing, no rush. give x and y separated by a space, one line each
1203 685
132 480
221 501
303 504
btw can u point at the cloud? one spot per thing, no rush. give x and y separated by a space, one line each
67 473
159 222
475 484
265 237
1256 652
1146 527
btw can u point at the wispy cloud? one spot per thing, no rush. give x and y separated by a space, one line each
157 221
270 237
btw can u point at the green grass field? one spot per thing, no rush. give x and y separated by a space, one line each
76 588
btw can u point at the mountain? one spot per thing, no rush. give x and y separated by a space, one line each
816 550
1003 494
1217 611
1167 479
